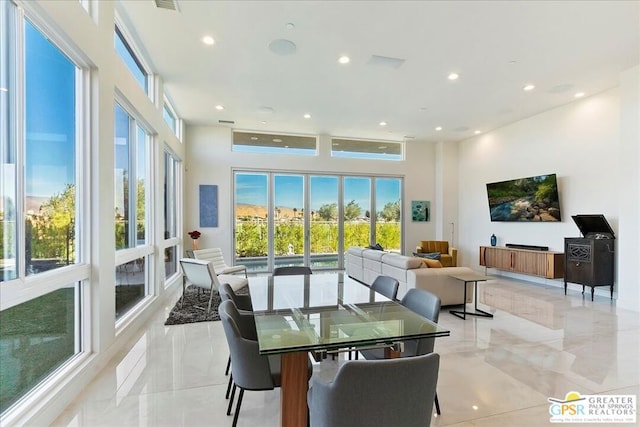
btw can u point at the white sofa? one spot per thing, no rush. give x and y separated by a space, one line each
365 265
439 282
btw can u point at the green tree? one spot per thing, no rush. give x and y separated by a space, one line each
352 211
53 229
391 212
328 212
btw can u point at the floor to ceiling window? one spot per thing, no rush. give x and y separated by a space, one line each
307 219
171 179
42 268
325 228
132 151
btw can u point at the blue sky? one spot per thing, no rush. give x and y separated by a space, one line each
49 116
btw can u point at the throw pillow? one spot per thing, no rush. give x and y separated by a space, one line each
432 263
431 255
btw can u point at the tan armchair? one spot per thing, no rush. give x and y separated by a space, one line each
448 255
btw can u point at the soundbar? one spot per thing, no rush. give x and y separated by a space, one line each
530 247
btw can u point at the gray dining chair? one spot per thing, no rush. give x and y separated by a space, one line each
250 369
292 270
387 286
241 301
243 304
426 305
390 392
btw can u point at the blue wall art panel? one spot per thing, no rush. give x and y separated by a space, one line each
208 206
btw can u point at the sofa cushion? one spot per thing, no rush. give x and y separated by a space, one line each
356 250
432 263
401 261
373 254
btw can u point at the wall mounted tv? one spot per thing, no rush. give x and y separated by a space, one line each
533 199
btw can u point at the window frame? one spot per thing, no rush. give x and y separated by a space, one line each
146 250
25 288
375 154
121 31
176 196
168 106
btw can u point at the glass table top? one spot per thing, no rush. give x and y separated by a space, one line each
329 311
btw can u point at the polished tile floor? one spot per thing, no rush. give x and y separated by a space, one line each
494 372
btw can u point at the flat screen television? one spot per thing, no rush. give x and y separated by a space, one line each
532 199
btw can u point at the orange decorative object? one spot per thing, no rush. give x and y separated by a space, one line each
195 244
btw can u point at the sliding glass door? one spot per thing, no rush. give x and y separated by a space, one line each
325 226
305 219
289 236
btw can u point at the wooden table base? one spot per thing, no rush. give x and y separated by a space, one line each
294 387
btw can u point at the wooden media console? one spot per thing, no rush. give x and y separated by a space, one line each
532 262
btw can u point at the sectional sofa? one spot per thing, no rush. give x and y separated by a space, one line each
365 265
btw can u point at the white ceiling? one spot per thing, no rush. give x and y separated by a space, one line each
562 47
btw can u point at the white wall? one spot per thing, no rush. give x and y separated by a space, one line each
629 194
210 161
581 143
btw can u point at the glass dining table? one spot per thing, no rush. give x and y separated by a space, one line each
325 313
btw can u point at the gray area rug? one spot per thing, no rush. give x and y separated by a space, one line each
194 308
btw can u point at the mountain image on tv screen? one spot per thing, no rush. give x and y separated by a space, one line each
533 199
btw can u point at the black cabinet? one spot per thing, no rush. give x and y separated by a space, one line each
589 260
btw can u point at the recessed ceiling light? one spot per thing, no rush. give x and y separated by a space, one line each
254 138
477 132
453 76
513 62
382 123
290 26
277 140
344 59
439 128
474 407
528 87
579 95
264 122
208 40
219 107
307 116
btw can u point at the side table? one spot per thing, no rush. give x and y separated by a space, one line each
467 278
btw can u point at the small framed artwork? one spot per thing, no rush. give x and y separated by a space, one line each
208 205
420 210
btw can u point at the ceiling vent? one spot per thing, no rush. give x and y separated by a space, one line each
385 61
226 122
167 4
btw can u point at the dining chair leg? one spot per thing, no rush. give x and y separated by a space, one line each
235 416
226 396
233 393
226 371
437 405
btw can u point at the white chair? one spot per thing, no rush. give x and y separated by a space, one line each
201 273
215 256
